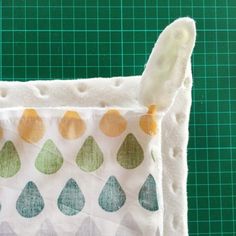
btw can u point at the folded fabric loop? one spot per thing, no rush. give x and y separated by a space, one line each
167 64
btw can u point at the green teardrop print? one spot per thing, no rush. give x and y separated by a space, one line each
87 228
30 202
148 195
50 159
112 197
9 160
130 154
71 200
90 156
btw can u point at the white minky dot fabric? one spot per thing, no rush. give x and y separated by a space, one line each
166 82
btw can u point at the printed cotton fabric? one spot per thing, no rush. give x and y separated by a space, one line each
80 171
98 171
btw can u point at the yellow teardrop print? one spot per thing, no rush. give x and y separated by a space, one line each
112 123
1 132
71 125
31 127
148 121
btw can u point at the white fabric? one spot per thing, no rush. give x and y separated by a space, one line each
90 183
175 102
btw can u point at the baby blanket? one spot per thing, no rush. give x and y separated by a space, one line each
100 156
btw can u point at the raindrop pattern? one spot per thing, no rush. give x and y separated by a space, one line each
71 125
30 202
50 159
47 160
31 127
9 160
112 123
90 156
71 200
1 132
148 195
130 154
148 121
88 228
112 197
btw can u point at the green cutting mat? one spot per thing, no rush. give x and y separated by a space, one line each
49 39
